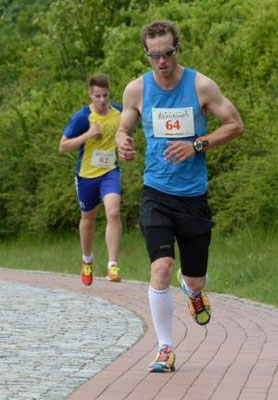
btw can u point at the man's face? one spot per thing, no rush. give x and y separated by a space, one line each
100 97
162 54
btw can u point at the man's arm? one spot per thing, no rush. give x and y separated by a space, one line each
211 100
132 99
70 144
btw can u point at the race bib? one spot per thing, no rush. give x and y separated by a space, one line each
103 158
173 122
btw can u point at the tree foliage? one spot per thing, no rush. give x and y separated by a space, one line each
49 48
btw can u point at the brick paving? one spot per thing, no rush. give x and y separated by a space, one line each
235 357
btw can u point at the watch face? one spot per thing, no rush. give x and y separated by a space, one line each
198 145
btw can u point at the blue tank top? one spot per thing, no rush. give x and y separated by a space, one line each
175 111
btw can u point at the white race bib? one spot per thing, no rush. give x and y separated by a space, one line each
103 158
173 122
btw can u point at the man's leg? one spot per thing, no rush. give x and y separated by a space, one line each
161 307
110 192
192 275
113 234
86 233
160 244
88 197
160 298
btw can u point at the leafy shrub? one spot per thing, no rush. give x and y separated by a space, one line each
47 62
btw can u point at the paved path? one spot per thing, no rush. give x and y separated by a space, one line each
234 358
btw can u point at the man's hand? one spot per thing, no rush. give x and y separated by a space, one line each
126 148
179 151
94 131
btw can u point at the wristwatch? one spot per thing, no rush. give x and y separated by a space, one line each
200 145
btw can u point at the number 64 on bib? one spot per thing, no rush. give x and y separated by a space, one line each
173 122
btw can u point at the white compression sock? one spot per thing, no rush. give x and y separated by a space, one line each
161 306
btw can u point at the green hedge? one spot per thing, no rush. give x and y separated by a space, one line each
44 67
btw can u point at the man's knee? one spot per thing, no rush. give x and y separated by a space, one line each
88 218
113 213
161 271
196 283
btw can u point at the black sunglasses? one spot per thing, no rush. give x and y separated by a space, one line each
165 54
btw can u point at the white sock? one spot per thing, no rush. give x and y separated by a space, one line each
112 264
161 306
87 259
189 291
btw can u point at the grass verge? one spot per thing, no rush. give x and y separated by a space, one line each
244 264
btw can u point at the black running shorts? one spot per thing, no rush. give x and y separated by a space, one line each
165 218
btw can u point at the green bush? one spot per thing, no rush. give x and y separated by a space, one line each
44 67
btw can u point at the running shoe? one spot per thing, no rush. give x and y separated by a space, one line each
199 305
87 273
165 360
113 274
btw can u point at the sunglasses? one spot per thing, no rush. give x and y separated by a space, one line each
165 54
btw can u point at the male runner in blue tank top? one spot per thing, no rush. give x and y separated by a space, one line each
92 130
173 102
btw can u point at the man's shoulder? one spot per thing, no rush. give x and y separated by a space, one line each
79 122
203 82
134 89
83 112
136 84
117 106
207 90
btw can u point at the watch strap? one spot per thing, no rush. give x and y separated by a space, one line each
201 144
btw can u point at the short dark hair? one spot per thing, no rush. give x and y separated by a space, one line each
160 28
100 80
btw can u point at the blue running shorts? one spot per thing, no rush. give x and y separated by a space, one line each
90 191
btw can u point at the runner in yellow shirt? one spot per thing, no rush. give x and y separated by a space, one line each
92 130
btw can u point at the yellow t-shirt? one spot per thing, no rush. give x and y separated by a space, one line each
99 155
